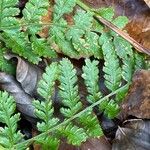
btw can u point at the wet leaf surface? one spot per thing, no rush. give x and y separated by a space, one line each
133 136
137 102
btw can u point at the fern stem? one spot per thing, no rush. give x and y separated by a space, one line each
72 118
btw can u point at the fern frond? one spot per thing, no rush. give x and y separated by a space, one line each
121 95
139 61
62 7
90 124
8 11
46 85
69 89
110 108
125 53
20 44
91 78
33 12
120 21
122 47
48 143
74 134
69 93
57 35
44 109
107 13
111 69
128 68
41 48
9 135
83 40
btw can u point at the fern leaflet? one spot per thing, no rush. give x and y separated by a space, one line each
9 135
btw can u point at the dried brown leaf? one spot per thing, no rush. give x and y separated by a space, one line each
137 102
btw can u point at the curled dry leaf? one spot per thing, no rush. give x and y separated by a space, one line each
137 102
134 136
27 75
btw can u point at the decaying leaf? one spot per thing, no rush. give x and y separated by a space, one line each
96 144
134 136
90 144
27 75
137 102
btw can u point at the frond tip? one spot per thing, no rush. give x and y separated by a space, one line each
46 84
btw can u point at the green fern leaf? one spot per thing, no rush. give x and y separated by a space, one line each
139 61
83 22
41 48
121 95
46 85
57 35
93 45
9 135
62 7
44 111
91 78
69 89
111 69
74 134
110 108
106 13
33 12
8 11
128 68
83 40
120 21
48 142
20 44
122 47
90 124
